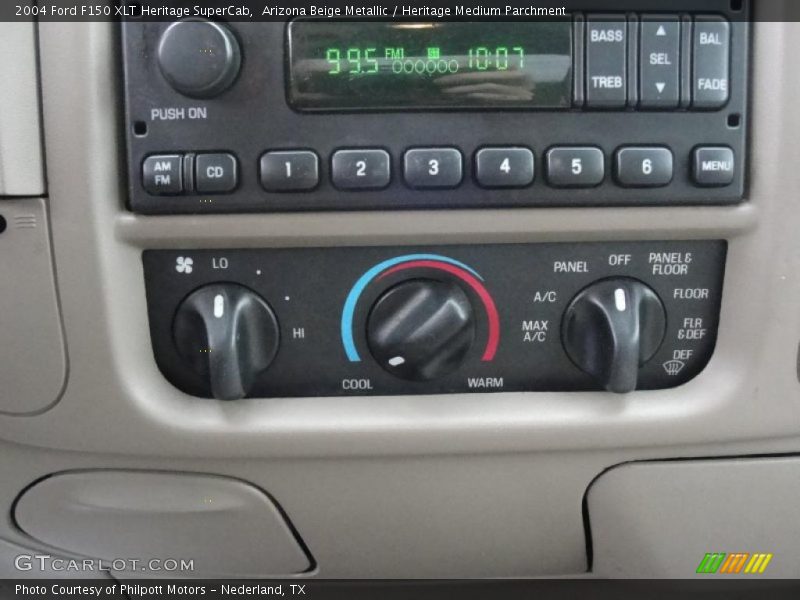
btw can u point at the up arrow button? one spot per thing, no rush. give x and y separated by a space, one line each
659 62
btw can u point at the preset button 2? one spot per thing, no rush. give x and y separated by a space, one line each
361 169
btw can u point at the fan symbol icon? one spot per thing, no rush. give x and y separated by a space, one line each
184 265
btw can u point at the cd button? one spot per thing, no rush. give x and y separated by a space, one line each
289 170
504 167
163 174
432 167
215 173
575 167
644 166
367 169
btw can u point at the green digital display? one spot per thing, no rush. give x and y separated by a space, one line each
382 65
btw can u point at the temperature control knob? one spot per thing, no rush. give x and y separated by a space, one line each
421 329
228 335
612 328
199 58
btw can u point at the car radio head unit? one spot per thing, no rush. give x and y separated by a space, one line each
612 108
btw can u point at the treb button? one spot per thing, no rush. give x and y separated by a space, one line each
606 61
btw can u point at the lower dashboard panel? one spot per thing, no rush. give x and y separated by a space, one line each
429 320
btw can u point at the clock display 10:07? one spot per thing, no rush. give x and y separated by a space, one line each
369 61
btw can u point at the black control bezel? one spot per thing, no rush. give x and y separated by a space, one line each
308 289
253 117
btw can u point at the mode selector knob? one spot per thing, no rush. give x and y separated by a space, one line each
199 58
228 335
421 329
612 328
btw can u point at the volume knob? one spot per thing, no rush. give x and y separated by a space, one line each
199 58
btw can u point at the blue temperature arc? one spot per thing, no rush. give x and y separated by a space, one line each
355 293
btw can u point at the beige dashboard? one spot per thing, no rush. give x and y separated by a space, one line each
462 485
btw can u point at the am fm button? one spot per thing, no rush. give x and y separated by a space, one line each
162 174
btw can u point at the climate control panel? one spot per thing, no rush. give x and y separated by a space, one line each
616 316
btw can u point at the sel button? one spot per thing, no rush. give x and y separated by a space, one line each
215 173
660 63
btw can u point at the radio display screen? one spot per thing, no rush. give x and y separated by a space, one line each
374 65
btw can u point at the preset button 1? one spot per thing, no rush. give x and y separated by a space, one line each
289 170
